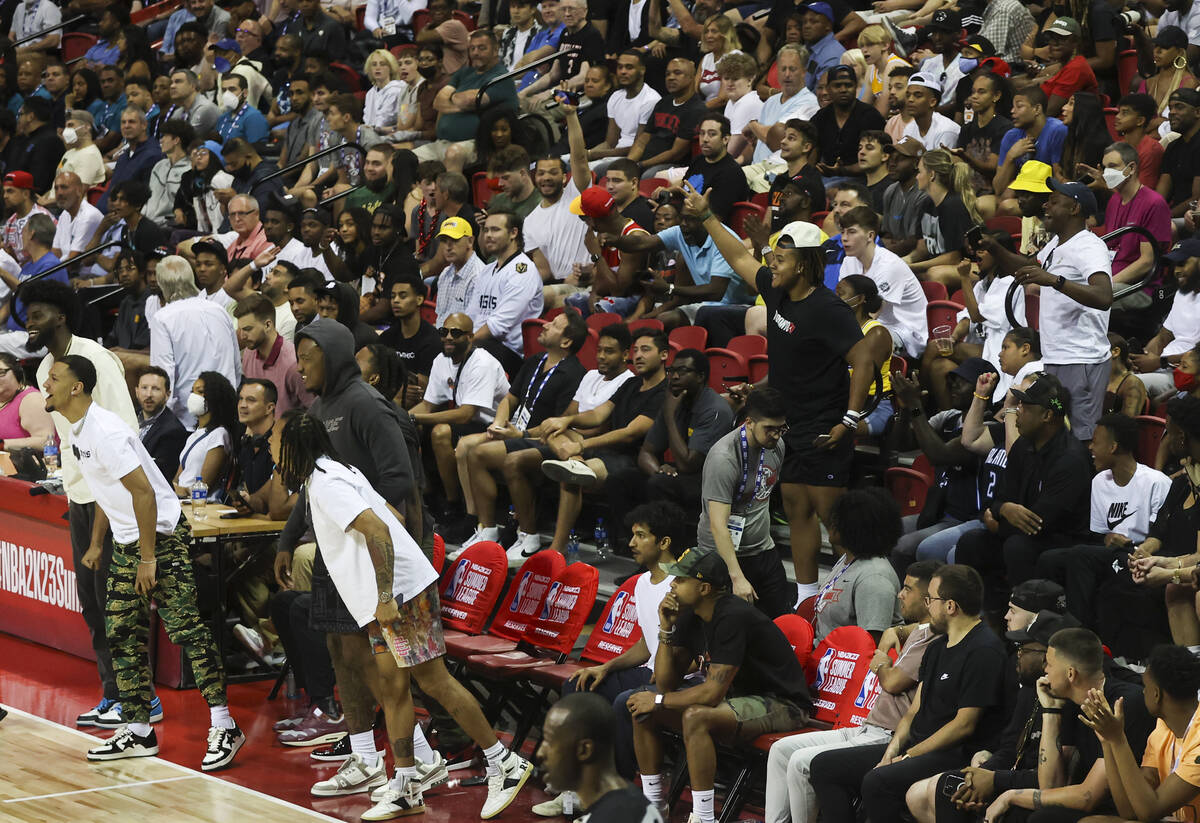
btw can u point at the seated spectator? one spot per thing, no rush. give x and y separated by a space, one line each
465 386
82 157
1126 394
738 72
137 158
318 252
77 220
665 139
165 177
794 101
1042 501
797 148
24 421
196 205
553 231
1126 498
414 339
451 195
621 180
517 193
520 37
382 103
1020 356
671 460
1068 71
719 39
840 124
754 686
904 301
611 271
1074 671
597 89
1177 183
257 413
950 212
873 149
506 292
239 118
817 29
629 109
1134 122
160 431
789 790
944 31
266 354
541 389
1087 132
716 169
211 265
590 460
979 141
131 331
1033 131
904 200
933 129
1166 784
20 200
208 452
250 171
860 293
190 335
339 301
523 466
1180 331
304 295
958 707
448 33
37 148
37 236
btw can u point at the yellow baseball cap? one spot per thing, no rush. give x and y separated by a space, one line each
1032 177
455 228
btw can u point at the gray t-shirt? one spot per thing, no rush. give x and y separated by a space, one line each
859 593
710 417
723 470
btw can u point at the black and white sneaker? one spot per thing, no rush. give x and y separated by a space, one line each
125 744
90 717
337 753
504 784
223 744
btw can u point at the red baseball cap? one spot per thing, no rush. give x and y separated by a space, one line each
19 180
594 202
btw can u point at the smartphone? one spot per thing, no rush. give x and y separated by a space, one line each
571 98
235 515
974 236
821 440
952 784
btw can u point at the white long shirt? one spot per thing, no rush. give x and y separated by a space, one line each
188 337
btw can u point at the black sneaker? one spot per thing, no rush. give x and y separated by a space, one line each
125 744
223 744
336 753
904 42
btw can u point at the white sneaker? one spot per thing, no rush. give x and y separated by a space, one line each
555 807
393 803
572 472
223 744
429 776
353 777
252 641
503 786
482 533
526 546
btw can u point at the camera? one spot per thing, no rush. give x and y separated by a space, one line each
1130 18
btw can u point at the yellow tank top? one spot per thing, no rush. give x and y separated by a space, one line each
887 370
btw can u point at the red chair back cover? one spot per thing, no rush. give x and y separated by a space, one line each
836 671
526 593
472 586
565 609
617 629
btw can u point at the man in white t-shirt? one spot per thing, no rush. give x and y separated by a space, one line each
1126 497
1074 270
505 293
150 560
657 529
1180 332
743 105
904 301
933 129
793 101
629 108
78 220
552 229
466 384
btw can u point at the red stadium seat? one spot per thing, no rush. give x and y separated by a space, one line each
420 20
958 298
763 199
1110 120
469 593
95 193
526 594
689 337
647 188
748 345
464 18
726 368
644 323
601 319
921 464
907 487
934 290
587 353
530 329
349 76
429 312
75 44
1005 222
740 211
941 313
758 367
148 13
1150 434
616 632
482 188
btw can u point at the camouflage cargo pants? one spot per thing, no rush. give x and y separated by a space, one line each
127 622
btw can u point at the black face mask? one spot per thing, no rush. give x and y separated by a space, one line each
428 72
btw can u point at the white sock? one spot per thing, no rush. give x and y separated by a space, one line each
220 717
804 591
702 805
140 729
363 745
653 789
1194 650
404 776
495 755
421 748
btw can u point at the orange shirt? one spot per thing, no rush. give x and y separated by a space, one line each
1167 754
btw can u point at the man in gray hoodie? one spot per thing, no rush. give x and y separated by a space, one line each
367 432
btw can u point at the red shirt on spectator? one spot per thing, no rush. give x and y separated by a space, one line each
1150 155
1077 75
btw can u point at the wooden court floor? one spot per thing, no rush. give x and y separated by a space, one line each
44 777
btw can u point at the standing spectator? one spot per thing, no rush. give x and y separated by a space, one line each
38 149
266 354
189 335
718 172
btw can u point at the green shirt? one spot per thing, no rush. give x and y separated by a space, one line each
522 208
371 200
462 125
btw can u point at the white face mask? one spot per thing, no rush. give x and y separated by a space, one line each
69 136
196 404
1114 177
230 101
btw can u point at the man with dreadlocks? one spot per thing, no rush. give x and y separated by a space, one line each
390 589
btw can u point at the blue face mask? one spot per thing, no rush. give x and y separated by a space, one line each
967 64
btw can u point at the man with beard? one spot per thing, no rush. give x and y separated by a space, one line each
238 117
1180 332
551 230
53 314
665 139
303 121
717 170
628 110
249 169
160 431
37 234
517 194
840 124
211 18
267 355
189 47
506 292
304 295
38 148
377 184
131 331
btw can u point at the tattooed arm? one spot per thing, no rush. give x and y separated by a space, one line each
383 556
1082 797
709 693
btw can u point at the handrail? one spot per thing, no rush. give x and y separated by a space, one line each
515 73
109 290
301 163
340 195
1128 288
12 300
39 35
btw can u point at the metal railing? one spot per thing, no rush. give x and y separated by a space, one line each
515 73
1118 293
290 167
12 299
39 35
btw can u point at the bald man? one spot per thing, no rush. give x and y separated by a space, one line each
79 219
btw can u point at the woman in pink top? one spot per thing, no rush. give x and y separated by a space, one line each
24 421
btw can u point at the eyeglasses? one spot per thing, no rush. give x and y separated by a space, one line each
929 599
240 213
681 370
455 333
777 431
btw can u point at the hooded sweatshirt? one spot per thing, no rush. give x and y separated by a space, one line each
365 428
347 300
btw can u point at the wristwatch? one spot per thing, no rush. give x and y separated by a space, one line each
658 700
385 597
1060 282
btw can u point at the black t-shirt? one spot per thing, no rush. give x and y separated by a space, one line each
959 483
132 330
727 181
741 635
968 675
549 395
626 805
945 225
841 143
809 178
808 342
640 212
1181 160
583 46
1177 523
419 351
631 402
980 142
877 190
670 121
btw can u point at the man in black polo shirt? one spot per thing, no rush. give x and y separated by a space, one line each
753 685
840 124
256 411
957 710
414 339
319 33
1045 497
714 171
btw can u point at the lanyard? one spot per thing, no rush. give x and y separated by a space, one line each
760 476
29 21
234 119
829 584
458 377
529 404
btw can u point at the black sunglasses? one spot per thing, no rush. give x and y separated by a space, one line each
455 333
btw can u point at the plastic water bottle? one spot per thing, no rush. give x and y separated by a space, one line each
600 535
50 456
293 691
568 802
199 499
572 548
